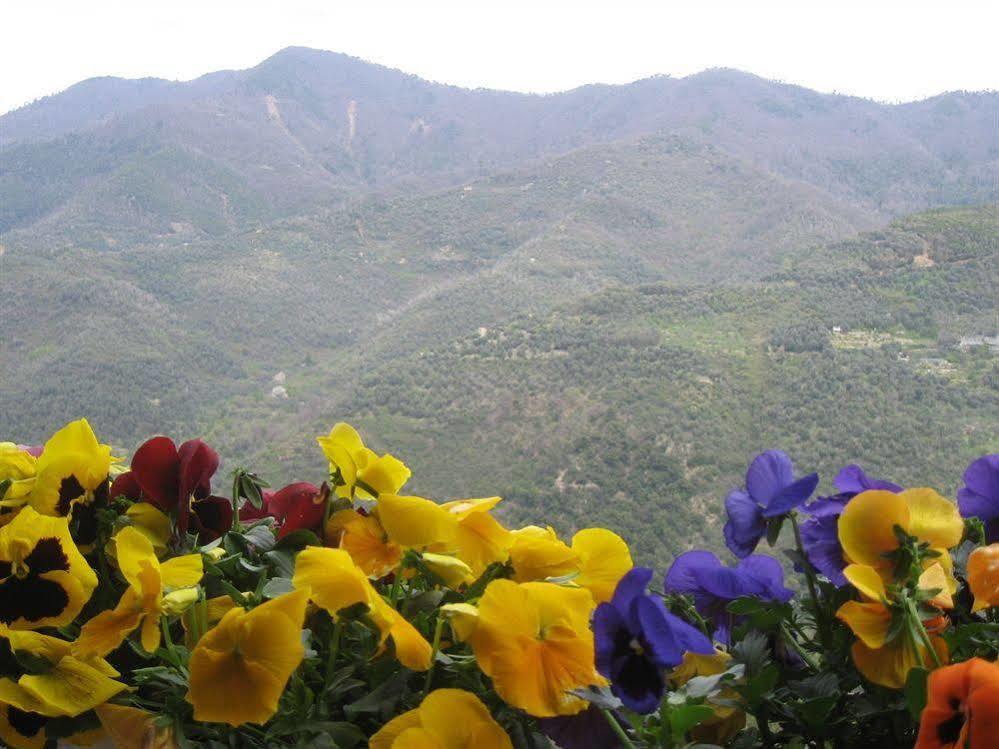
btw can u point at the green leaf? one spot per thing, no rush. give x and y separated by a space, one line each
685 717
4 486
773 529
277 586
915 691
261 538
282 561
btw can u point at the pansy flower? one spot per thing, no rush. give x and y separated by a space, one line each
44 580
586 730
771 490
72 469
713 586
17 466
446 719
820 530
295 507
979 497
637 639
983 576
362 536
155 589
69 686
868 522
962 707
534 641
337 583
882 653
240 667
131 727
178 482
480 539
358 470
728 719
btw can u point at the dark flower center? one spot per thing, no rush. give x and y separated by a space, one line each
69 489
28 725
950 730
24 593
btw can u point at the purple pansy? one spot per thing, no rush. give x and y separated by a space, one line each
979 497
820 531
713 585
771 490
586 730
636 639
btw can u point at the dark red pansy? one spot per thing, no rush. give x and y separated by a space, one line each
296 506
178 481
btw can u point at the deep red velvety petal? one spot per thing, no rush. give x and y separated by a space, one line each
155 467
284 500
211 517
126 486
305 511
249 512
198 463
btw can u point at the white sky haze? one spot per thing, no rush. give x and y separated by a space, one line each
881 49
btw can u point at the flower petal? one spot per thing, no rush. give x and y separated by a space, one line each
746 524
791 496
865 527
933 518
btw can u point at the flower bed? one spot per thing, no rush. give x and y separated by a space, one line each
139 608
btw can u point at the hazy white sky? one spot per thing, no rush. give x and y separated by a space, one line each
881 49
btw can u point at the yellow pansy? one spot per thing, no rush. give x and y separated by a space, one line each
152 523
453 571
18 466
364 538
534 641
415 522
364 472
130 727
597 559
21 730
866 525
155 589
537 553
479 539
983 576
44 580
71 687
240 667
336 583
882 661
446 719
602 558
72 467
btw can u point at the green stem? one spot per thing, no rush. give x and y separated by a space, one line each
618 730
235 502
922 634
438 629
796 646
396 583
820 624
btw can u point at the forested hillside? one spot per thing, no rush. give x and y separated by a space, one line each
598 303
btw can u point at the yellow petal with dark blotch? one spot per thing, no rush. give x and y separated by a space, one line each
603 558
868 621
30 736
334 580
71 688
932 518
865 527
866 580
416 522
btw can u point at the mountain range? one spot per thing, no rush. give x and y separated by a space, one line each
597 302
